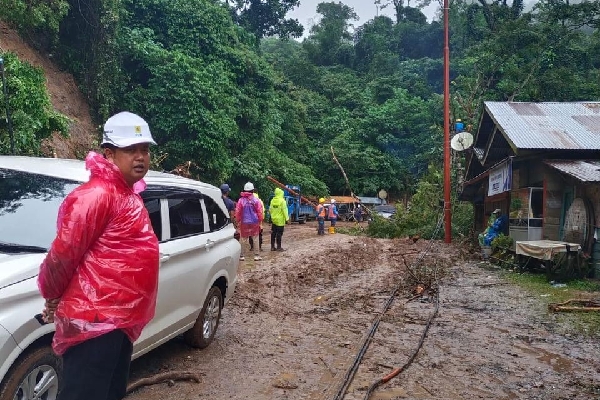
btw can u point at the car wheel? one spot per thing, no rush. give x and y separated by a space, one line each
203 331
35 375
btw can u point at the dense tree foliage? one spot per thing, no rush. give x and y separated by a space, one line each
33 15
370 92
266 17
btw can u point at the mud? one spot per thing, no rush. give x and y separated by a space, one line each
298 319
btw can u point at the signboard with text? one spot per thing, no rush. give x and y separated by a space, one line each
500 178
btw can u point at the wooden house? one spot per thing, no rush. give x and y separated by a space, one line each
540 164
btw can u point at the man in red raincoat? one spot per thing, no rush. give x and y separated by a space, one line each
100 277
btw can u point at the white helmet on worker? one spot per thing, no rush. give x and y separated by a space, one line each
333 200
126 129
248 187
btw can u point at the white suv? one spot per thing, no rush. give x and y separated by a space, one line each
198 265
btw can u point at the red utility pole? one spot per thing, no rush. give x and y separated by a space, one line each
447 210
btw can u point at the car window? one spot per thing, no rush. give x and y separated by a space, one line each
216 217
29 206
186 217
153 207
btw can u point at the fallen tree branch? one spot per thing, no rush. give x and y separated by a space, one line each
171 376
575 305
343 173
491 284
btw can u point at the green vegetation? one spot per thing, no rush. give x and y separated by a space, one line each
224 88
32 115
423 215
34 15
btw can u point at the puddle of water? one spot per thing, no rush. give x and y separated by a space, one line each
558 363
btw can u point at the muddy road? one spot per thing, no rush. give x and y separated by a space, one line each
298 319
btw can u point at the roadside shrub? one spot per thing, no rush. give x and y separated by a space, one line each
422 216
502 251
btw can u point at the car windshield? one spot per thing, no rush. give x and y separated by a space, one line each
29 206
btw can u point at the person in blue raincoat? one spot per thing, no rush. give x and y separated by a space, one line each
332 213
496 224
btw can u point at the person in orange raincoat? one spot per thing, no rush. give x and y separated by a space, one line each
100 276
320 214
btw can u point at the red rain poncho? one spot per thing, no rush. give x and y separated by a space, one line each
249 214
103 264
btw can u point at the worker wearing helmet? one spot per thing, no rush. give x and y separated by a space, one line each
260 234
332 215
320 213
249 216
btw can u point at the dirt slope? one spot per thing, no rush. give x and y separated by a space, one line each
64 94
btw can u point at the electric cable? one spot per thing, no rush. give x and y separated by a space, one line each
399 370
351 372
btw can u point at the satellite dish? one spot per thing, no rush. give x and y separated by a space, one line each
382 194
461 141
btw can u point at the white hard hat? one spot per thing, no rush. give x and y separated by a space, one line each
248 187
333 200
126 129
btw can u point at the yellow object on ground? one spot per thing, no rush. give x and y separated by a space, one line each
332 229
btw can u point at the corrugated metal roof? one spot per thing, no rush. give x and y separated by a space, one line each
585 171
574 126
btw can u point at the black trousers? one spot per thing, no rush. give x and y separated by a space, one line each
276 234
260 240
97 369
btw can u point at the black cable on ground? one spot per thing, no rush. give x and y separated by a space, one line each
399 370
351 372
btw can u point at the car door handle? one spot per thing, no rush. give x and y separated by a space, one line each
164 257
209 244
